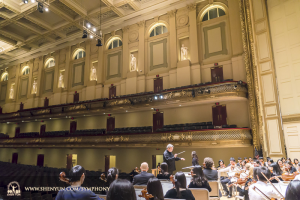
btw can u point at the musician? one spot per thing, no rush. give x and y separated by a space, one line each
250 159
262 185
246 159
246 173
76 178
134 172
121 189
292 191
239 162
257 164
164 171
180 191
195 160
275 171
221 165
262 162
154 188
170 159
209 173
296 162
270 161
229 180
112 174
283 160
143 177
198 179
290 168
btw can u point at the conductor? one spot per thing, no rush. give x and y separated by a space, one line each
170 159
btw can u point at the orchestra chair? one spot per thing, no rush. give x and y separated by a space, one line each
214 194
239 198
200 193
140 186
102 196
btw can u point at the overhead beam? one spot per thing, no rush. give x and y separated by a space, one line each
75 7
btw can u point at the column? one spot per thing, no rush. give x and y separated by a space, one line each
141 59
173 38
125 52
87 65
193 34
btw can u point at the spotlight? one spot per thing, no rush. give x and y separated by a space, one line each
91 36
99 44
32 1
240 82
155 97
40 7
94 29
46 9
84 34
161 96
234 87
25 1
88 25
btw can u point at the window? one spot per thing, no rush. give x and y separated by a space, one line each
115 43
50 63
158 30
26 70
80 54
213 13
5 77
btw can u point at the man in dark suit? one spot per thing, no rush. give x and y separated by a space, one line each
143 177
170 159
209 173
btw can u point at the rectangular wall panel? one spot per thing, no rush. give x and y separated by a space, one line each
274 136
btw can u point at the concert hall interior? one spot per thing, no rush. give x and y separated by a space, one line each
111 83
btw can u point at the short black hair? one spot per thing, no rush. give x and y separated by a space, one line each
232 159
260 158
265 171
239 158
121 189
245 158
75 173
292 191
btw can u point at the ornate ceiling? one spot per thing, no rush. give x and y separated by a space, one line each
25 32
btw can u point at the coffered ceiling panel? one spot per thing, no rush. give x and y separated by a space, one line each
6 12
22 32
30 24
48 17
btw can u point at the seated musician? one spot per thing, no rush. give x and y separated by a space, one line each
262 162
246 173
154 188
239 163
121 189
283 160
164 171
209 173
180 191
112 174
296 162
246 159
290 168
270 161
231 169
243 164
275 171
134 172
243 189
292 191
143 177
257 163
279 162
250 159
75 178
262 185
198 179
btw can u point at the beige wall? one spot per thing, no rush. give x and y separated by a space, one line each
126 159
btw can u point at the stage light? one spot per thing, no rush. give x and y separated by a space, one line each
94 29
32 1
84 34
25 1
46 9
179 105
161 96
240 82
40 7
99 44
91 36
155 97
88 25
235 87
49 118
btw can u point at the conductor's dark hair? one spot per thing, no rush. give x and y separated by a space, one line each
164 168
111 175
265 171
75 173
180 182
121 189
292 191
154 187
276 169
199 179
232 159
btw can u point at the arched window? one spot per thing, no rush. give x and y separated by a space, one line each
4 77
50 63
80 54
115 43
158 30
213 13
26 70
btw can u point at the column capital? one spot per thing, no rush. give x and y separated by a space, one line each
141 23
191 7
172 13
125 29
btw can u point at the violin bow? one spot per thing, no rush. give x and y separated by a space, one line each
272 184
260 193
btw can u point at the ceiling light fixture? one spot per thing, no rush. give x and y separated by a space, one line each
25 1
32 1
94 29
46 9
42 5
91 36
88 25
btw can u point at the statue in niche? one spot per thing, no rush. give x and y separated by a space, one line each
93 74
132 63
11 92
34 87
61 81
184 52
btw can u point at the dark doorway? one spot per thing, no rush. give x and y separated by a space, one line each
17 131
73 127
112 91
219 115
69 161
40 160
76 97
43 129
216 74
14 159
153 161
158 120
46 102
110 125
158 85
107 163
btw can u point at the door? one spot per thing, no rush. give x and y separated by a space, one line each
21 106
43 129
69 161
158 120
73 127
153 161
46 102
40 160
112 92
107 163
17 131
110 125
158 85
76 97
219 115
216 74
14 159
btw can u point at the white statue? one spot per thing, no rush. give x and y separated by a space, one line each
61 81
34 87
132 63
93 74
11 92
184 52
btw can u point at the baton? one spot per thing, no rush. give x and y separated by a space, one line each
180 152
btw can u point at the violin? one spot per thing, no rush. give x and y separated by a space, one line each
145 195
172 179
289 177
240 181
103 178
192 173
159 170
63 177
204 165
136 169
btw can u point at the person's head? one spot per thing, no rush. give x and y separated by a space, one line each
265 171
154 187
256 163
180 182
243 162
255 172
112 174
261 159
251 170
164 168
246 159
289 160
170 147
240 159
275 168
250 159
283 160
270 161
296 161
199 177
268 158
121 189
247 166
194 155
279 162
292 191
144 167
221 162
232 161
76 175
209 162
289 164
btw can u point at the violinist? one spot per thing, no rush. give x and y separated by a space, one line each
262 162
239 162
296 162
279 162
210 173
198 179
221 165
262 185
121 189
246 159
154 188
292 191
290 168
75 178
134 172
143 177
195 160
164 171
243 188
283 160
250 159
270 161
275 171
